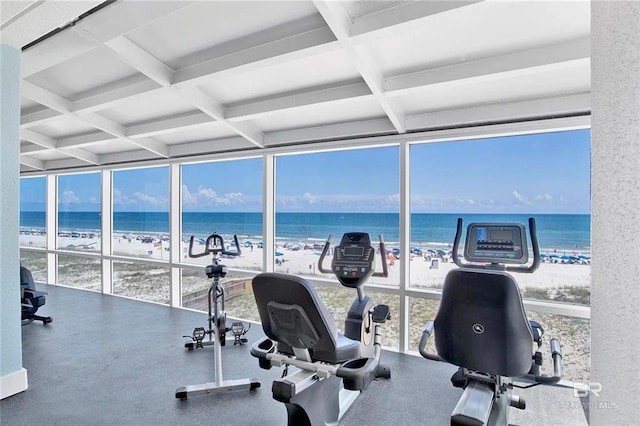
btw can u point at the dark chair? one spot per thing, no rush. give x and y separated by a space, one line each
293 315
481 323
31 299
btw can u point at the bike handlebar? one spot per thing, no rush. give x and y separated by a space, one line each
214 245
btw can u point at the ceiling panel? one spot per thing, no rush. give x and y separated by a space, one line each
211 23
111 147
63 126
546 81
477 31
149 106
213 131
321 115
306 72
98 67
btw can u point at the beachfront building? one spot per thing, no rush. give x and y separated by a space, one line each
140 125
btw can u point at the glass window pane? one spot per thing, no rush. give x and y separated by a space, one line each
33 212
142 281
573 334
338 300
334 193
141 213
36 262
80 272
507 179
79 203
420 312
224 197
239 300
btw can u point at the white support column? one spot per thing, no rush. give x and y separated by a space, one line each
52 228
13 377
615 192
175 234
106 231
268 211
405 242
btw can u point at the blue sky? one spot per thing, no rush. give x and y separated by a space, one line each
545 173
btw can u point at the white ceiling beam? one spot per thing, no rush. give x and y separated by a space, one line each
213 109
38 139
333 94
45 97
555 106
339 21
64 163
173 124
39 117
34 163
88 139
376 126
81 154
50 143
106 125
29 148
63 105
259 55
126 157
141 60
112 96
210 146
124 17
563 52
386 22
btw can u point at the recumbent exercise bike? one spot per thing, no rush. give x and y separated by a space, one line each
31 299
481 325
333 368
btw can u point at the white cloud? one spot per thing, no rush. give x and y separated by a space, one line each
188 199
520 197
147 198
209 197
69 197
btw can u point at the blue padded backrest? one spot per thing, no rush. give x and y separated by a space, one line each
481 323
291 312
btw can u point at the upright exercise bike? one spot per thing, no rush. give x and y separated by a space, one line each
481 325
332 368
215 246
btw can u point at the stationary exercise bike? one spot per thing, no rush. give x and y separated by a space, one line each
333 368
216 298
481 325
215 246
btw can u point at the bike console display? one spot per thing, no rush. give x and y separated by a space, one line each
354 259
496 243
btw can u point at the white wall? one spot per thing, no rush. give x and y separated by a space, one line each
615 132
13 378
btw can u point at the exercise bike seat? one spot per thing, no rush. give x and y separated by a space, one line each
294 316
481 323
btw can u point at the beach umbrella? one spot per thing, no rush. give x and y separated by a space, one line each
278 253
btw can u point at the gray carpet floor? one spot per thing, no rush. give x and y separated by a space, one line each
109 360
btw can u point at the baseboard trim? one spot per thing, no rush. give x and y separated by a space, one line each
13 383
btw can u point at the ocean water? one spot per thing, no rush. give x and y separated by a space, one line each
555 231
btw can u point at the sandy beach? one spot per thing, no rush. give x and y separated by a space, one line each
568 283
